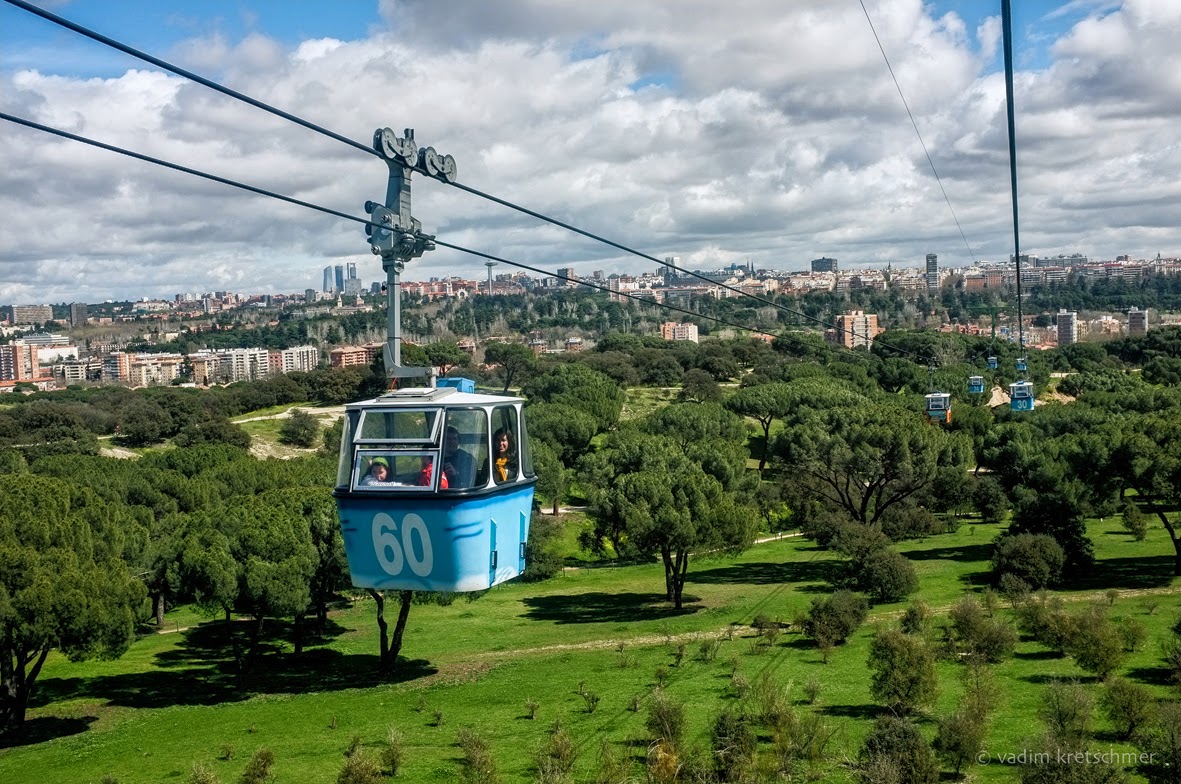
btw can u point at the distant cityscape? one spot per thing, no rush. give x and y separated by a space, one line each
45 360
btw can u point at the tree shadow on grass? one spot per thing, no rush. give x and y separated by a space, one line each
766 573
969 553
1160 676
1042 655
201 670
599 607
1149 572
862 711
44 728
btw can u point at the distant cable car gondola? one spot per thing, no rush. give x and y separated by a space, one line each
992 363
1021 396
434 490
939 407
975 385
1022 364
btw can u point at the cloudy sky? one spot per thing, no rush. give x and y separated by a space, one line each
767 131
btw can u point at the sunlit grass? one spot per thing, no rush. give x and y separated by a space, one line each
170 700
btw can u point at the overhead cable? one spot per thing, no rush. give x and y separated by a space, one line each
918 133
363 221
80 29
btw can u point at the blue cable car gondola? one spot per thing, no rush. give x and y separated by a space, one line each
939 407
1022 365
1021 396
976 385
434 490
992 363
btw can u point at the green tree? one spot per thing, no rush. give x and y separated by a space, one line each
649 498
896 744
581 388
698 386
447 356
764 403
551 474
300 429
867 457
903 670
62 583
516 361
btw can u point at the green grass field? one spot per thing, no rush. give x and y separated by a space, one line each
170 701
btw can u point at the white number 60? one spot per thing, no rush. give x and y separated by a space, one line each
392 553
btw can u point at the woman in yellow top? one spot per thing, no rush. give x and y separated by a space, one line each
504 459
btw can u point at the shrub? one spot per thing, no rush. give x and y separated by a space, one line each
1066 710
812 690
1095 642
1129 706
393 753
897 744
258 769
888 576
201 774
959 738
834 618
734 744
1162 741
543 553
914 620
666 720
478 764
300 429
555 761
903 670
359 768
981 636
1035 558
1134 521
1132 632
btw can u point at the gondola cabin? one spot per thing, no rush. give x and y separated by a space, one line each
1022 365
1021 396
434 490
976 385
992 363
939 407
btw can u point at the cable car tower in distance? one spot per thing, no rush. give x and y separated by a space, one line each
434 486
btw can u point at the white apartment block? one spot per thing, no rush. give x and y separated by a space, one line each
299 358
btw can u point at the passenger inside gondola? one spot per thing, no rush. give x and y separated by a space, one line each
379 474
504 457
459 467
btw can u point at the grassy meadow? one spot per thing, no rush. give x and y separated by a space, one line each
601 630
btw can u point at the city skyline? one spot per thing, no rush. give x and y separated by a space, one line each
693 135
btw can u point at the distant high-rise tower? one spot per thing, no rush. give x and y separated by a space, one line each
932 272
339 269
1067 327
824 264
327 279
352 270
77 314
1137 321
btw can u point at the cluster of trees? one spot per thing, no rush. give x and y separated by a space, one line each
90 546
70 422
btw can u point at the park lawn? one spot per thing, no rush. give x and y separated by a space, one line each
170 700
639 402
270 412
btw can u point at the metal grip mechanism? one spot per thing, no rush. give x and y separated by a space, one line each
396 235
